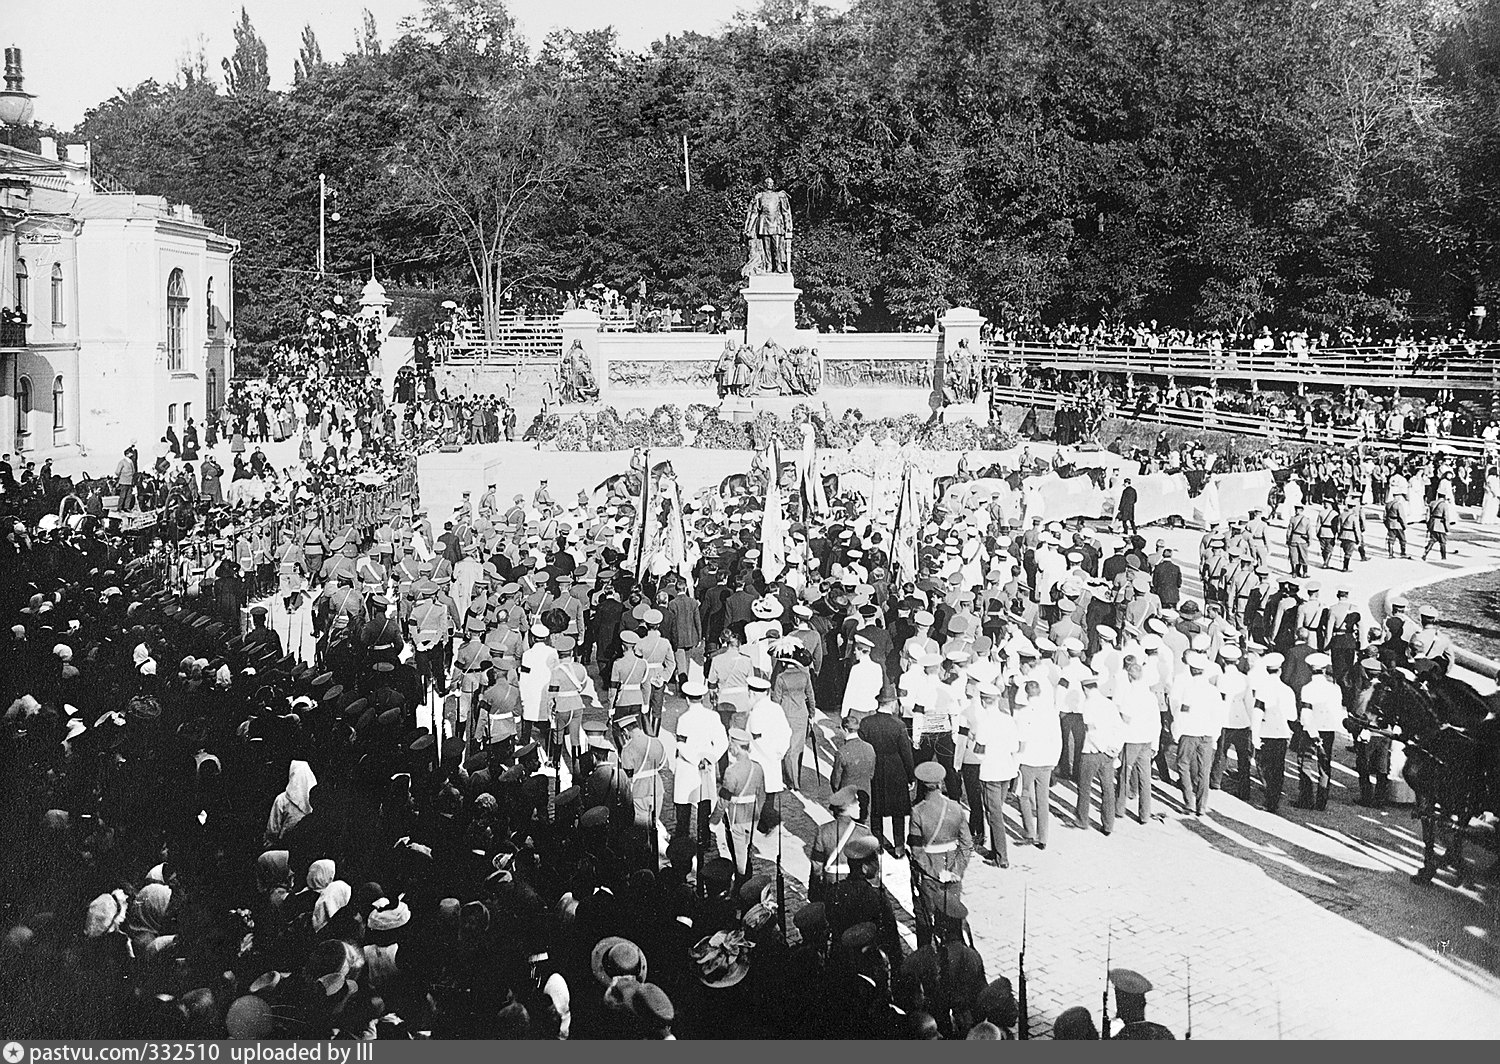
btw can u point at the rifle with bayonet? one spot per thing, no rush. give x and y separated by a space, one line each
780 876
1189 1036
1108 942
1023 1016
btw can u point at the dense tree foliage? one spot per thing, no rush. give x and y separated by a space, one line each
1296 162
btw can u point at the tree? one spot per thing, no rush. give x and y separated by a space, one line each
485 177
310 60
248 71
369 38
192 66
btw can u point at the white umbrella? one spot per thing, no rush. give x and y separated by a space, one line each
448 304
707 308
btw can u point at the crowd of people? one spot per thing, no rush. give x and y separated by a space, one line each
531 781
1407 345
1291 415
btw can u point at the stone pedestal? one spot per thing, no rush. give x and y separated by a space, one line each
771 309
583 325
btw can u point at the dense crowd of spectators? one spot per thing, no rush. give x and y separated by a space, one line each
1407 344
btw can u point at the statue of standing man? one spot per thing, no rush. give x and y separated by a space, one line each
768 227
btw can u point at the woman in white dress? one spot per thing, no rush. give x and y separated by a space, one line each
1489 513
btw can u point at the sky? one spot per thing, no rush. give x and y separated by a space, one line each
78 53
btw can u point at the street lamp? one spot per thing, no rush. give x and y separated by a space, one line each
16 105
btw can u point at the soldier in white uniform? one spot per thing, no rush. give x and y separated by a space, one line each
701 741
1321 717
536 673
770 738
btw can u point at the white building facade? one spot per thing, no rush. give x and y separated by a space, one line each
128 310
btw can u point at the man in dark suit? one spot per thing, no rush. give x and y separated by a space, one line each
604 627
854 765
890 789
1126 510
1166 580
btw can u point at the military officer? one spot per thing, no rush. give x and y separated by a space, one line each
628 678
1299 537
644 758
940 844
568 693
656 650
429 628
829 861
700 741
741 795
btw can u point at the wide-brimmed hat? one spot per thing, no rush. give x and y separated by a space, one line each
615 956
722 958
767 608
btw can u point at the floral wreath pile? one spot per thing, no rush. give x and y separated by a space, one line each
700 426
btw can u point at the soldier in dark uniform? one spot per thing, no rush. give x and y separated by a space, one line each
261 635
644 758
854 765
861 899
1131 989
829 854
380 638
949 970
940 844
429 633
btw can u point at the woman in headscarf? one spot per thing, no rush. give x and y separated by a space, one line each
293 803
333 894
147 923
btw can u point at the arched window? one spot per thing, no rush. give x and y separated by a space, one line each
23 286
187 412
23 406
59 420
57 294
212 395
177 304
171 413
208 300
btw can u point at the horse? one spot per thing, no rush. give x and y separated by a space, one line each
628 483
1452 741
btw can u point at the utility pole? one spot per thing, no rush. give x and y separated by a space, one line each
322 223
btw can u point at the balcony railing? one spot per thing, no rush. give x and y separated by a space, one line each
1414 366
1280 433
13 333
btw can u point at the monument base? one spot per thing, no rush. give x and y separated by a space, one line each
771 309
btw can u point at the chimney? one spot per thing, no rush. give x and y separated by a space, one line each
78 153
49 148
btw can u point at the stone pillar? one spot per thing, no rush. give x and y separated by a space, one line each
771 309
962 323
583 325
